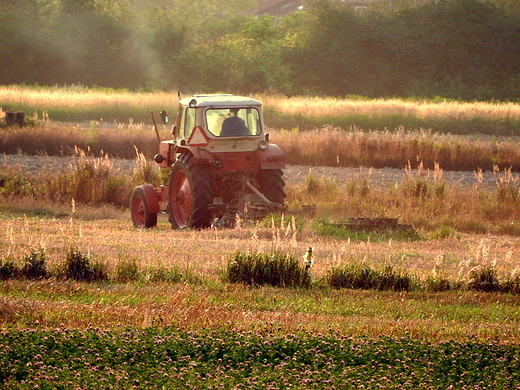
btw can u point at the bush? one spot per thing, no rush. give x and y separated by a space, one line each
277 269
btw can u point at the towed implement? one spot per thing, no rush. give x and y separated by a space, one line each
219 166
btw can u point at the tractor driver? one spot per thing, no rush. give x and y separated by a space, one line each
234 125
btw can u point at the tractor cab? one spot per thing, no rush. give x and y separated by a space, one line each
210 120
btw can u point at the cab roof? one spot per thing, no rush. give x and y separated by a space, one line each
219 100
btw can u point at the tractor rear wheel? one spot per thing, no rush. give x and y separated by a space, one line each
140 210
272 184
189 194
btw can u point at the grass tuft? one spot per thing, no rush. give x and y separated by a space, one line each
127 269
277 269
80 267
34 265
8 269
483 279
366 278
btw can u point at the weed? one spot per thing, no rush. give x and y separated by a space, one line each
277 269
164 274
8 269
511 285
437 284
126 269
80 267
351 233
366 278
483 279
34 265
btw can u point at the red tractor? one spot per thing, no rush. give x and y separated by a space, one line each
218 167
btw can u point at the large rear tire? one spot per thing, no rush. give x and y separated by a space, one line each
140 210
189 194
272 184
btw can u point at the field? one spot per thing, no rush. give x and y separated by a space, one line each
166 314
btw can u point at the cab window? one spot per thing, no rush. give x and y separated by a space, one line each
188 123
233 122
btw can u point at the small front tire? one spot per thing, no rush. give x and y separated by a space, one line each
140 210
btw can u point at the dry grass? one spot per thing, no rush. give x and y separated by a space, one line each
76 103
355 147
206 301
108 233
334 107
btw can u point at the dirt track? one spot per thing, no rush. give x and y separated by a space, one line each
294 174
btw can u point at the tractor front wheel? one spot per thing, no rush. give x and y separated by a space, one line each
189 194
140 210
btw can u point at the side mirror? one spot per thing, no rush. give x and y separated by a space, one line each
164 117
267 137
175 131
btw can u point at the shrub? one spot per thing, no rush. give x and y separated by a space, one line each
34 265
277 269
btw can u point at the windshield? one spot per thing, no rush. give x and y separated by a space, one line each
233 122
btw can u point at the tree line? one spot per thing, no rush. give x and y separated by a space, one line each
460 49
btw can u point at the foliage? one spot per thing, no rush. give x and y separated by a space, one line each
174 358
277 269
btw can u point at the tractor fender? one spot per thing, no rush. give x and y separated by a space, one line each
152 199
272 157
200 156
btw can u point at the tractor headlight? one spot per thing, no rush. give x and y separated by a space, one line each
263 145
